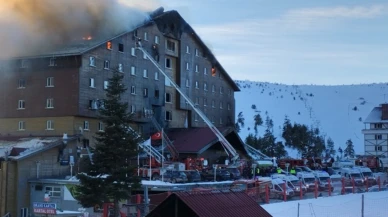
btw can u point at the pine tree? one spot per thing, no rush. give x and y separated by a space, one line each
330 151
258 122
349 150
240 122
111 178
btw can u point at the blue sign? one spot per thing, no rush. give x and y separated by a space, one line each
44 205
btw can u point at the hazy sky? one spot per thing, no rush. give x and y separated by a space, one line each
294 42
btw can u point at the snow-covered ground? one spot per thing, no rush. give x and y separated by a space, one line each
338 111
336 206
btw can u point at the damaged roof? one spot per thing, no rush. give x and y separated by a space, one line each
177 25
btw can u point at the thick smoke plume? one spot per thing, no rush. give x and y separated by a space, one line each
31 27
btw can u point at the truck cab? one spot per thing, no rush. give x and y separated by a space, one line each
254 188
308 180
277 189
367 174
323 179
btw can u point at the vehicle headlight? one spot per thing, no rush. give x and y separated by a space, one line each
297 188
307 185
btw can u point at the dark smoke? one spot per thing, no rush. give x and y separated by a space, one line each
30 27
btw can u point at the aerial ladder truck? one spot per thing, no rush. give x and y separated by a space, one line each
231 152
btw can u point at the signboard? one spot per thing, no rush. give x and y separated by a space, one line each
45 208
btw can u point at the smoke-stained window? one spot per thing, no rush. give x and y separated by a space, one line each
168 98
214 71
109 45
168 63
170 45
92 61
121 47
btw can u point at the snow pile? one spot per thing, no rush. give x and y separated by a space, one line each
344 205
30 144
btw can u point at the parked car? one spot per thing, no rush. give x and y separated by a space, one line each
193 175
221 175
234 173
175 176
375 188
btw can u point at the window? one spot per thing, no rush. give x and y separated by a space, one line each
133 90
22 125
91 82
120 67
50 125
230 92
196 68
221 90
378 126
187 49
196 85
100 126
187 66
50 103
229 107
156 94
133 70
53 191
221 121
156 75
106 64
92 61
168 63
213 104
204 102
205 86
221 105
106 84
109 45
121 47
52 62
213 88
195 117
212 119
187 83
50 82
213 71
167 82
145 92
156 39
196 52
205 71
378 137
168 97
197 100
86 125
378 148
168 116
145 73
170 45
144 56
22 83
133 51
133 109
21 104
145 36
25 64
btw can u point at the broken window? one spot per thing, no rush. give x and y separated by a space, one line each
168 63
170 45
121 47
214 71
109 45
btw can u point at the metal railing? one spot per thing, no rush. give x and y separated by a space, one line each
166 141
256 152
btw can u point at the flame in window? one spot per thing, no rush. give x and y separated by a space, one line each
87 38
109 45
214 71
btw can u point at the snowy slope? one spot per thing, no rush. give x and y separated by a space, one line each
328 107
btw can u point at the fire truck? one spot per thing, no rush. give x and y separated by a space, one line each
231 152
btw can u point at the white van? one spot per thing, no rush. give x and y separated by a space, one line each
294 183
308 179
352 173
277 189
323 179
367 173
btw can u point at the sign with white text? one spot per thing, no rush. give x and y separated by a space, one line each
45 208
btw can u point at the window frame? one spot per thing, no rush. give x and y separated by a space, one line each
50 82
50 125
21 125
49 103
21 104
54 192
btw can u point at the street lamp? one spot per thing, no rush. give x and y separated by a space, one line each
287 165
215 171
254 170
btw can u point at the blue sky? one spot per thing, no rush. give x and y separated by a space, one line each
294 42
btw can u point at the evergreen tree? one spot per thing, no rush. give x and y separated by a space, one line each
111 178
258 122
240 122
330 151
349 150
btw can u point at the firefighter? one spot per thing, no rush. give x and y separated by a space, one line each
257 171
279 171
293 171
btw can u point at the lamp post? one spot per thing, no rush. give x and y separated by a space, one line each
287 165
65 139
163 170
254 170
